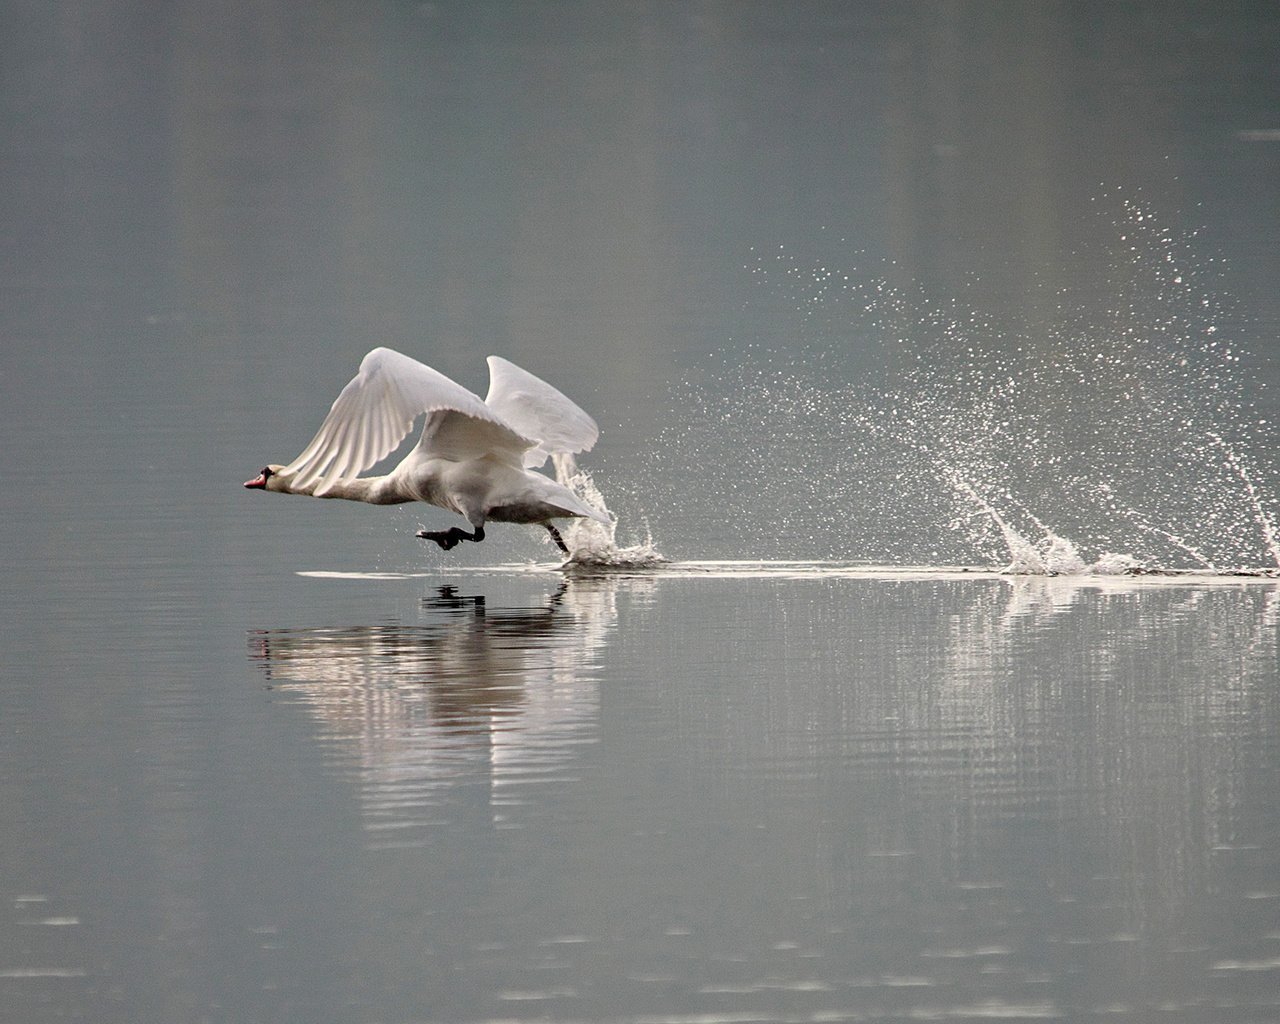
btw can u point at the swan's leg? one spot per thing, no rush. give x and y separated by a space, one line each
452 537
555 536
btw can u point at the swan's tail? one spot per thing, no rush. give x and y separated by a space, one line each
573 504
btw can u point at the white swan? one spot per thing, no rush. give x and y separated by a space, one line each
475 457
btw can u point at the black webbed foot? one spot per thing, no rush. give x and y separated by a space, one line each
444 538
452 537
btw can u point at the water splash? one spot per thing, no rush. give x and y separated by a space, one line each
1052 555
1132 515
1263 518
1026 556
592 544
1117 433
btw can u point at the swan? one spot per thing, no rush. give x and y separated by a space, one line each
476 458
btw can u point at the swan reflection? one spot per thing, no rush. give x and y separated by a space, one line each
1121 705
473 694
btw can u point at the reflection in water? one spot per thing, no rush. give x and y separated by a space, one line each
1111 705
841 798
1038 796
506 694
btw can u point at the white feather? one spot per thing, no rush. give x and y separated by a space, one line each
532 407
377 409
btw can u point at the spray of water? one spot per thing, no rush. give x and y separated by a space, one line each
1124 512
1261 516
964 439
593 545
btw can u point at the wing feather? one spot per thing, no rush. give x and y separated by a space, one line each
361 448
375 412
537 410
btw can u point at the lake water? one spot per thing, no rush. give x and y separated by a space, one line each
870 301
722 794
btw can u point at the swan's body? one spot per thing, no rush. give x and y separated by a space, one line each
475 457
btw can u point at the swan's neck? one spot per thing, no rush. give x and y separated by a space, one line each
375 490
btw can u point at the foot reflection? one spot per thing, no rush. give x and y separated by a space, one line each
473 693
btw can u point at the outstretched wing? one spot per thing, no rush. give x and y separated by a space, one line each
374 413
534 408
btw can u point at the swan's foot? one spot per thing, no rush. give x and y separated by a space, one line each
452 537
555 536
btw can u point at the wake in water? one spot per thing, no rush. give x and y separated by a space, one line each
1113 436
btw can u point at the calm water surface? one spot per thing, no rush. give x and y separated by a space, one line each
234 792
522 797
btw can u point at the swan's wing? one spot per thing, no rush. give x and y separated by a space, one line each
537 410
455 435
374 413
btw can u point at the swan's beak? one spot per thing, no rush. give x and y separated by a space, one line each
259 482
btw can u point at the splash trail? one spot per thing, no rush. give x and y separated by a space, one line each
1121 433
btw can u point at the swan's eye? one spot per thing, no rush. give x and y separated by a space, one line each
266 473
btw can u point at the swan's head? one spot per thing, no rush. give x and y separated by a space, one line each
267 480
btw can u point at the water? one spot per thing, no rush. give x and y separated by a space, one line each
933 351
723 794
